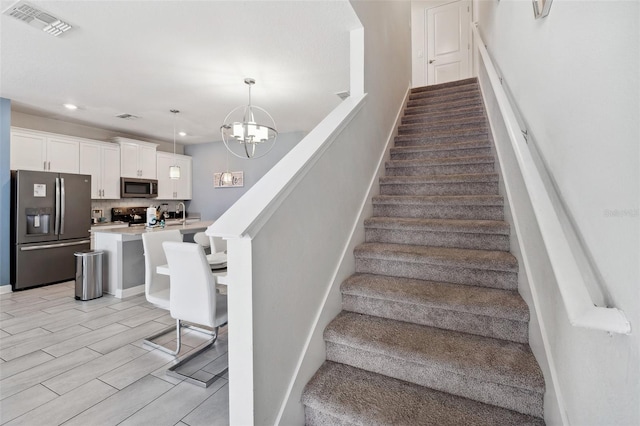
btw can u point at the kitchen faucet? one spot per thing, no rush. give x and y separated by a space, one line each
184 212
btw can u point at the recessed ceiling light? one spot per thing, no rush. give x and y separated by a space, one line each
182 133
72 107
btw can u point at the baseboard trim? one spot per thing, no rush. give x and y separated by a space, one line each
128 292
5 289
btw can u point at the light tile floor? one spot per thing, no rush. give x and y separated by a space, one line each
64 361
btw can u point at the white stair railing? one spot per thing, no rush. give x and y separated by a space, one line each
581 309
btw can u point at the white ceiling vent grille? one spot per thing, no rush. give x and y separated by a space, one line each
126 116
38 18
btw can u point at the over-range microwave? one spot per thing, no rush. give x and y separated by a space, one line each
138 188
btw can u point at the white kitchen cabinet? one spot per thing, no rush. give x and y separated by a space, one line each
42 151
101 160
174 189
137 158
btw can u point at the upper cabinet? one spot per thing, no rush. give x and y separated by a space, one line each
101 160
34 150
137 158
174 189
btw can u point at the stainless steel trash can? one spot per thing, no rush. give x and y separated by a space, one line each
88 274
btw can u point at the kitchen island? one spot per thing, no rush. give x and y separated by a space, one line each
124 255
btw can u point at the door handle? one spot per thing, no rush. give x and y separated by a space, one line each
431 61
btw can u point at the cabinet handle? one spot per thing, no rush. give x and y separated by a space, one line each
44 166
49 165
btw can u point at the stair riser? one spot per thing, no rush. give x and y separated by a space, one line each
438 239
439 211
419 155
472 97
457 275
437 170
460 90
481 325
440 108
412 129
520 400
445 86
436 135
439 138
405 141
458 188
455 115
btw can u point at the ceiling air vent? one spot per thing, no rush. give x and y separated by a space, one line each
33 16
126 116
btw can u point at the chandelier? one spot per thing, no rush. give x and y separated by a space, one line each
249 131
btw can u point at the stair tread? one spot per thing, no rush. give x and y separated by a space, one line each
440 225
440 178
444 98
445 106
483 358
461 200
453 146
469 159
467 88
448 114
468 122
479 129
435 87
505 304
492 260
357 396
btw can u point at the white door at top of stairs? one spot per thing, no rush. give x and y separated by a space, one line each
447 42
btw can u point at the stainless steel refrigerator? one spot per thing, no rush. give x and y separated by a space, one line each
50 221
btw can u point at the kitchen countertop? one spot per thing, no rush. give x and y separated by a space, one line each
139 230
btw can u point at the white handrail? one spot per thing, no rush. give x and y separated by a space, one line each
581 310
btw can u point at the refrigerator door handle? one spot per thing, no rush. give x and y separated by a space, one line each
49 246
63 199
56 225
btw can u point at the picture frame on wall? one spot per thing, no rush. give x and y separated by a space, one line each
236 181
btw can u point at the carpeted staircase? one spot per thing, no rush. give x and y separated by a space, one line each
433 330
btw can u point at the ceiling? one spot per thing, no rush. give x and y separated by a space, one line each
147 57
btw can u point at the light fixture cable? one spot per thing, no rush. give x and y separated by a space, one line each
174 171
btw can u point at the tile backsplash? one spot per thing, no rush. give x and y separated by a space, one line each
107 205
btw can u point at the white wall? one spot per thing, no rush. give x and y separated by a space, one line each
575 78
212 157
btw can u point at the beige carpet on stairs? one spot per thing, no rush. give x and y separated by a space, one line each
433 330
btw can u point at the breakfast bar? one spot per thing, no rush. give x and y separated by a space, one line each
124 255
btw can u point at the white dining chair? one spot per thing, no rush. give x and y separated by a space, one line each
193 299
156 286
202 239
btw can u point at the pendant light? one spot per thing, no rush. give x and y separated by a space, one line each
227 177
251 132
174 171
